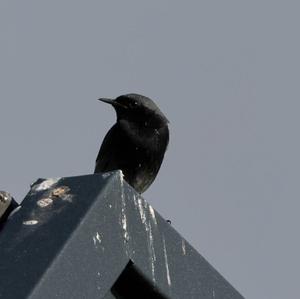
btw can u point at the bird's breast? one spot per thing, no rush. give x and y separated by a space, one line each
145 138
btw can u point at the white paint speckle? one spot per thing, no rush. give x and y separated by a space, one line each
121 177
97 239
45 184
124 224
123 216
166 263
110 206
152 251
141 210
134 200
124 220
30 222
123 210
148 218
44 202
152 213
213 293
183 247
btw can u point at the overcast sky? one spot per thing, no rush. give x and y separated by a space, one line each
226 74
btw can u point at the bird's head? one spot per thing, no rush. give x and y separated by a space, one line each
139 109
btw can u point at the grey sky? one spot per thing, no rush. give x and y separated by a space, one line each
226 74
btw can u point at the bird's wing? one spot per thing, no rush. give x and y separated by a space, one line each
106 157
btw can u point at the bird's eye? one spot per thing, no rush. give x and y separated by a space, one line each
133 104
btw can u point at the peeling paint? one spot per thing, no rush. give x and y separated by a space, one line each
183 247
166 263
44 202
45 185
60 191
30 222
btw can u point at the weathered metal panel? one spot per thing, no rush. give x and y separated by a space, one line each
74 236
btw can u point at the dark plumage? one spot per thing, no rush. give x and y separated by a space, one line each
137 142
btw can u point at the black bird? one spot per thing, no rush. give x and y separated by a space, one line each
136 143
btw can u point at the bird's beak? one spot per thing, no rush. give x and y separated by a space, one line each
108 101
112 102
